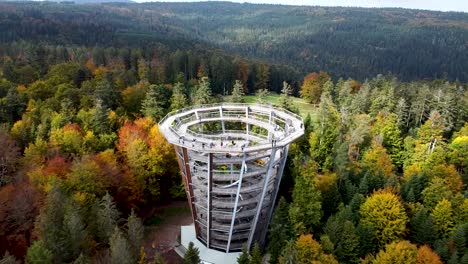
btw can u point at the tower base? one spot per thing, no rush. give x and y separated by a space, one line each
207 255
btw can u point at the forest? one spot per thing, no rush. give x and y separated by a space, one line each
345 42
380 175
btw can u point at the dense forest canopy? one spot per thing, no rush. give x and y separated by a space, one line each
380 176
346 42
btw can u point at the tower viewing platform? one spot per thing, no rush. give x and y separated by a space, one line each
231 157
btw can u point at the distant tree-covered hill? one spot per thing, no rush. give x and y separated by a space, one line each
346 42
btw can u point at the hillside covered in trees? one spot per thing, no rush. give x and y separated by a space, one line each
345 42
380 176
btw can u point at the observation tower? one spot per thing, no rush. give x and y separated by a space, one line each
231 158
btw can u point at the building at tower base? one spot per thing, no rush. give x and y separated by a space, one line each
231 158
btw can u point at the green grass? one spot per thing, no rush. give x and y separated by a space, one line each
304 107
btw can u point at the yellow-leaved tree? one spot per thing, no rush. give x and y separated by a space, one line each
384 212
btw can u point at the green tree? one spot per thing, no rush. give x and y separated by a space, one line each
244 257
135 232
386 127
384 212
324 134
285 101
120 250
443 218
347 247
100 118
178 98
202 93
75 229
154 103
50 224
305 210
192 255
422 228
435 192
39 254
288 255
261 96
256 255
237 92
460 240
377 161
280 230
8 259
106 92
107 217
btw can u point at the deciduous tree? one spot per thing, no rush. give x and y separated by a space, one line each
384 212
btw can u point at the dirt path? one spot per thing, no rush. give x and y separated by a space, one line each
163 229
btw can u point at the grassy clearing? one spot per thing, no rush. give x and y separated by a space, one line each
304 107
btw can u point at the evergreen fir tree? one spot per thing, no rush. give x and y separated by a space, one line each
107 217
261 96
135 232
244 257
280 230
202 94
285 101
256 255
8 259
237 93
38 254
100 118
178 98
422 228
120 251
154 102
192 255
348 245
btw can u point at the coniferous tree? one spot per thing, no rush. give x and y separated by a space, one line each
285 101
460 242
305 210
178 98
135 232
256 257
8 259
154 103
39 254
261 96
244 257
202 93
347 247
74 228
237 93
119 248
107 217
100 119
422 228
50 226
280 230
323 137
192 255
